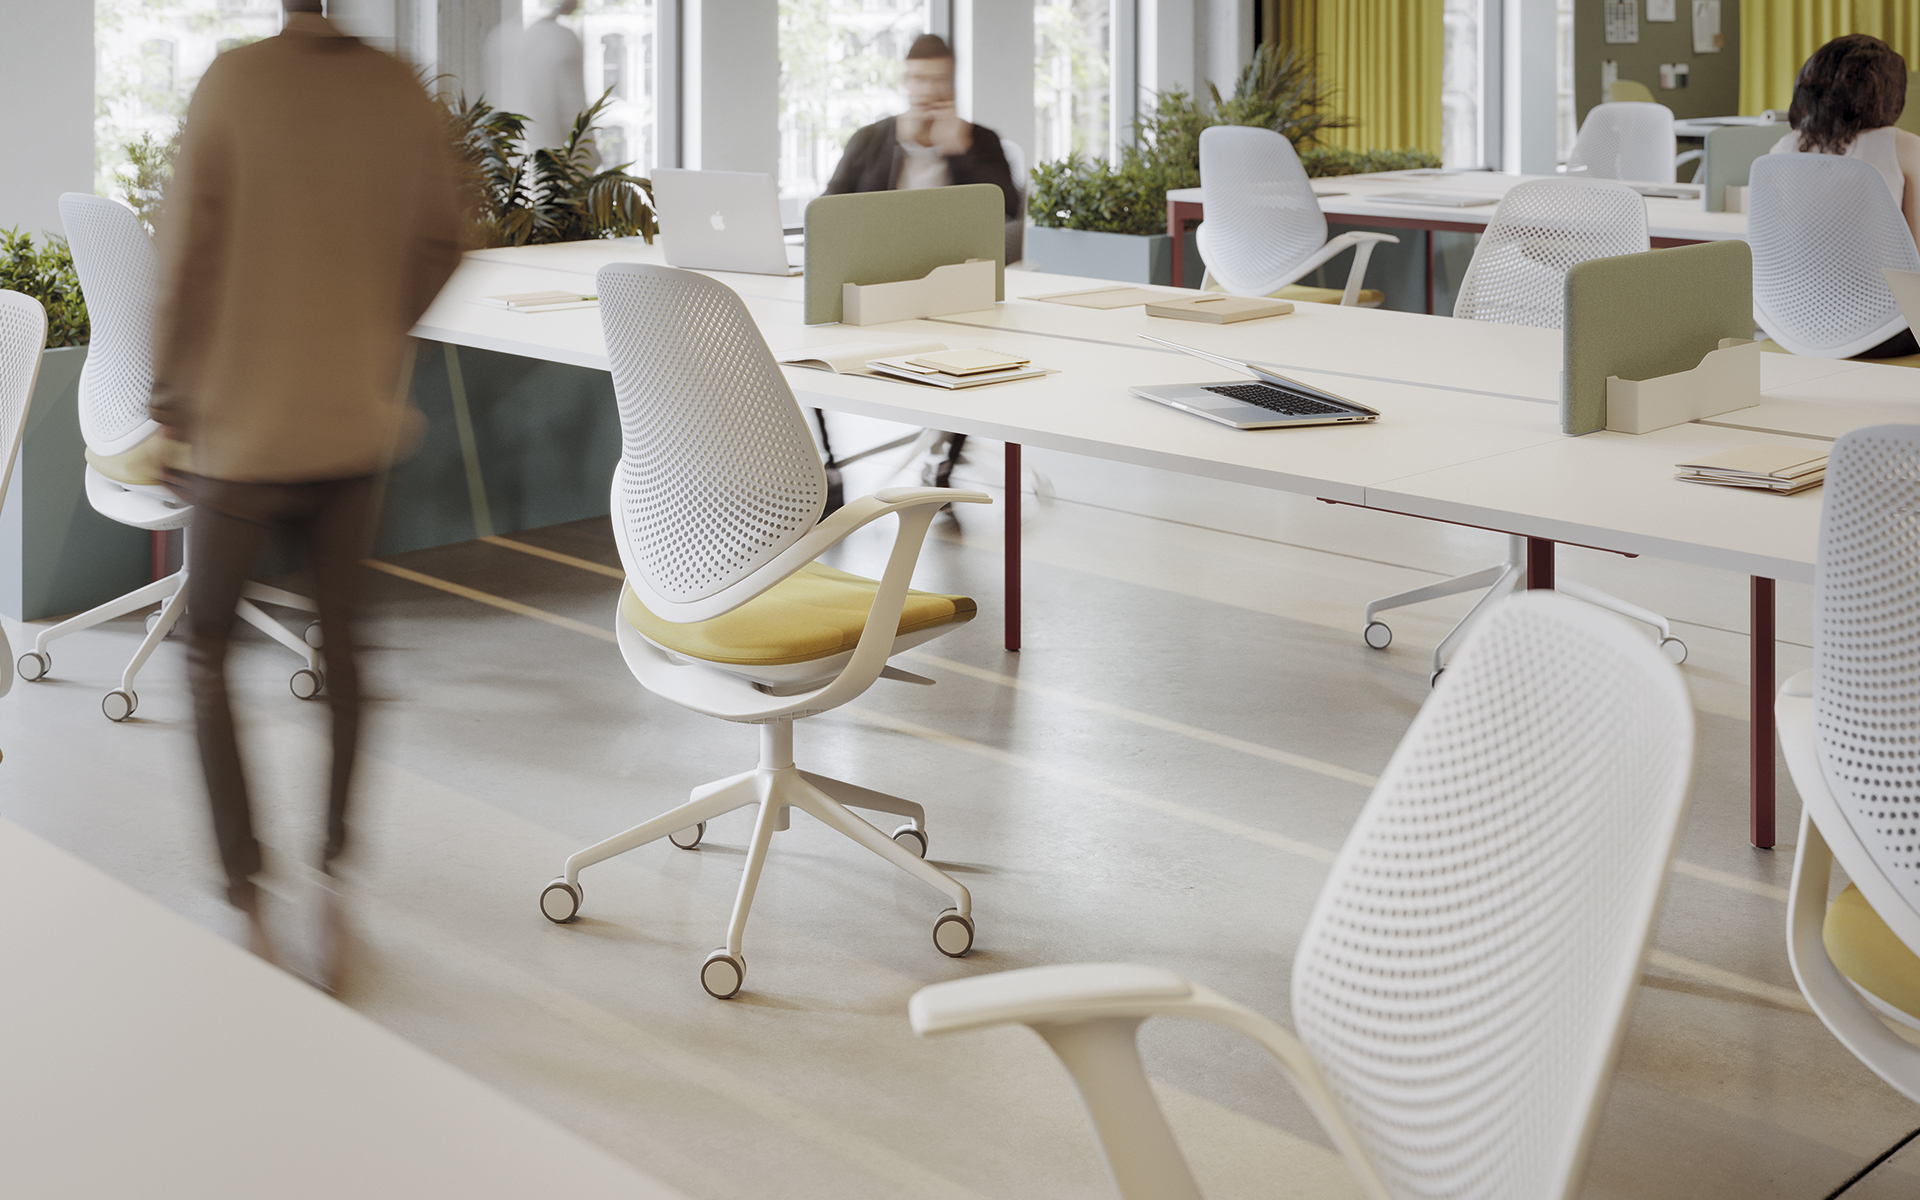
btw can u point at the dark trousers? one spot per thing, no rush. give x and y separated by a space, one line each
231 524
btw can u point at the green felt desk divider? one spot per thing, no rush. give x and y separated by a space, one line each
1639 316
1731 150
887 237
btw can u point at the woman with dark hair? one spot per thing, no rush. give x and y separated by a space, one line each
1846 100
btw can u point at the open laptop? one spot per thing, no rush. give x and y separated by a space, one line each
1905 286
722 221
1273 402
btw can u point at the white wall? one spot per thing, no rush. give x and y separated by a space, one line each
730 85
993 49
46 92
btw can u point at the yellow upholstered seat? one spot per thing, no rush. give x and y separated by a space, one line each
814 613
1867 952
141 466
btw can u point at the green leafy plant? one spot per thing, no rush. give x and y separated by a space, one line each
1278 90
555 194
46 273
152 162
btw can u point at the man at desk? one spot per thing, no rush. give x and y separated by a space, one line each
928 145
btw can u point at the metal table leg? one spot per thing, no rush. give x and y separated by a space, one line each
1011 511
1760 687
1540 563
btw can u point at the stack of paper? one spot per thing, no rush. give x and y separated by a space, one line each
1219 309
1781 469
958 368
532 302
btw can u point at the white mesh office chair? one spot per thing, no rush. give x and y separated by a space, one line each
1263 228
1518 276
23 335
1624 140
1822 226
120 279
1463 985
1850 729
716 505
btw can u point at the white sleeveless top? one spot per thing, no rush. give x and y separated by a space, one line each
1874 146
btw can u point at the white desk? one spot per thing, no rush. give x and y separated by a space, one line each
141 1056
1347 199
1469 434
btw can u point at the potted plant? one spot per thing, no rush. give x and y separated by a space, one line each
1108 220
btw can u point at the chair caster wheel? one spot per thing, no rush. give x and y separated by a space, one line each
688 838
311 635
913 838
722 974
306 683
1378 635
1674 649
119 705
153 618
1433 680
953 933
33 666
560 903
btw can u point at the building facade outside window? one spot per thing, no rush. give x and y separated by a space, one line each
840 69
1072 77
618 38
1463 85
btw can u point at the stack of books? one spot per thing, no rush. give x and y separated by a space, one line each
1780 469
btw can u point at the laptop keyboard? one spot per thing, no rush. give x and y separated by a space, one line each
1276 399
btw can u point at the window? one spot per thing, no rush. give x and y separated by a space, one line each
613 65
1565 124
1071 79
148 57
1462 85
624 31
840 68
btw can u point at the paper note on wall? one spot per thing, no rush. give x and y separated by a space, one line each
1660 10
1706 27
1623 21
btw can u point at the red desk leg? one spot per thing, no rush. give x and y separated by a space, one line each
1427 237
1012 539
1540 563
160 554
1760 685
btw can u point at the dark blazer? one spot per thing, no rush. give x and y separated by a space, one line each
872 163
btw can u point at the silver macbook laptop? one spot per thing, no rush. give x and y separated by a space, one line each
722 221
1272 402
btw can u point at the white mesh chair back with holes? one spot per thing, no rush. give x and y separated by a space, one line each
1822 226
1262 216
23 335
1518 275
1866 647
718 472
120 281
1465 978
1628 139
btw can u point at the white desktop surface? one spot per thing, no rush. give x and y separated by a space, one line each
144 1057
1684 220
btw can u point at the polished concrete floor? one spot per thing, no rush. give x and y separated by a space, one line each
1160 776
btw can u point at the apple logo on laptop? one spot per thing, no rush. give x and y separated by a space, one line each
719 222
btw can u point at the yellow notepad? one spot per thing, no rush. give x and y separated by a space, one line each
1220 309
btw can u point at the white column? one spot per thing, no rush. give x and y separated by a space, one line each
1529 86
730 85
993 49
46 90
1229 43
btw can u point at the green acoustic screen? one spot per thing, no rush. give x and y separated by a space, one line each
1640 316
1731 150
886 237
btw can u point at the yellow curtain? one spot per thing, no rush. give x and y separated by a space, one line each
1776 36
1292 23
1382 58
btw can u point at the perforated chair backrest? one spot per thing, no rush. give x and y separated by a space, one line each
718 472
1866 648
1464 981
1626 139
1518 275
23 335
1262 216
1822 226
120 281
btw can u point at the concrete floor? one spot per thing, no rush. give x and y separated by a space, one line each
1160 776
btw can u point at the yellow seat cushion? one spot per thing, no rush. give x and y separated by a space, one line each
142 465
816 612
1869 953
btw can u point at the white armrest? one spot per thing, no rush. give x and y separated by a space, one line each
815 542
1087 1012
